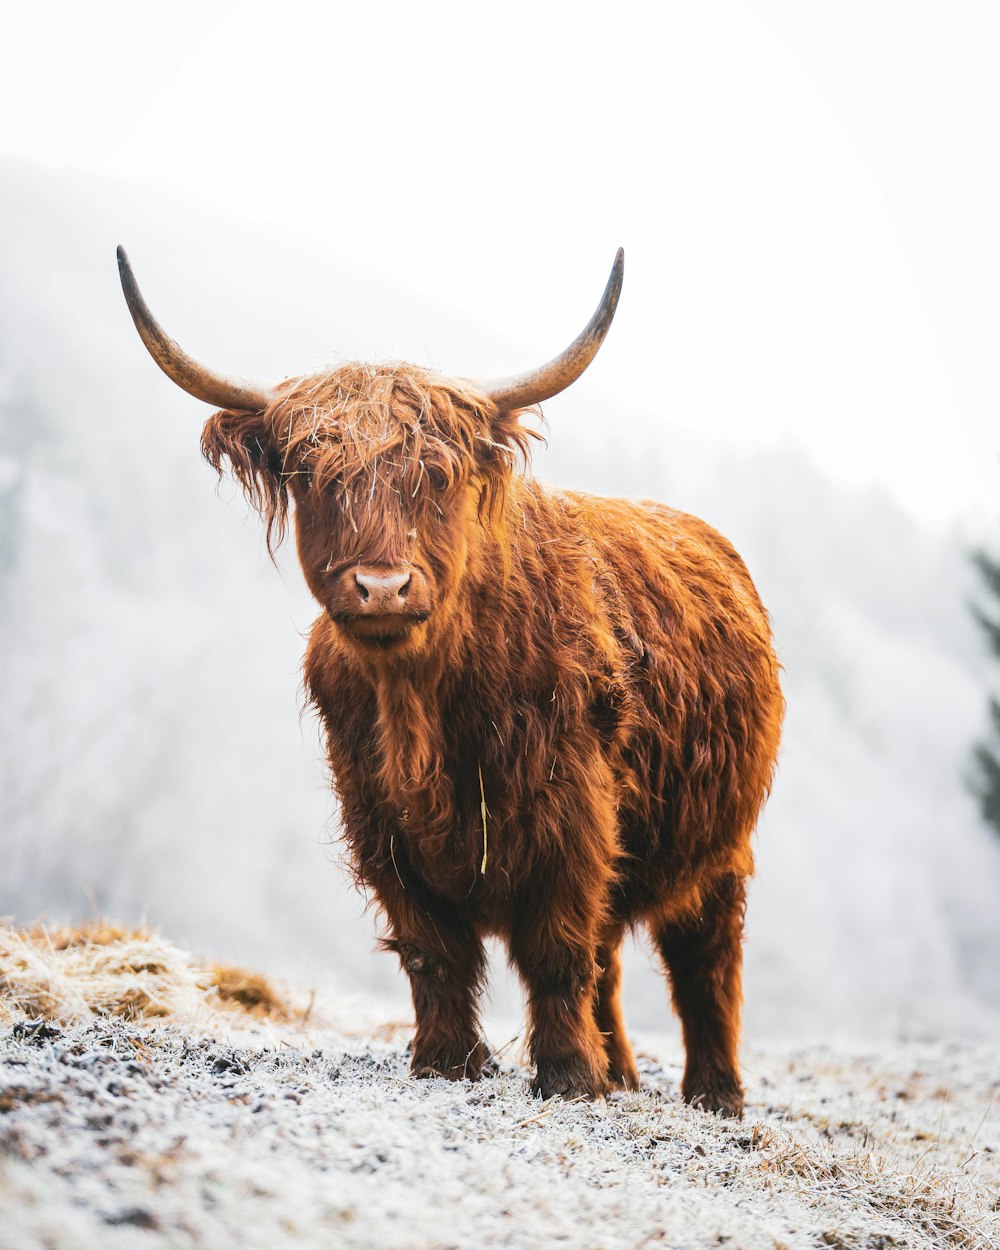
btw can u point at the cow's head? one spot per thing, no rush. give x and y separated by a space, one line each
395 472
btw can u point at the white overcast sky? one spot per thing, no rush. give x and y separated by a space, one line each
807 193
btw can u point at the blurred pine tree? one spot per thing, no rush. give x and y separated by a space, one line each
986 754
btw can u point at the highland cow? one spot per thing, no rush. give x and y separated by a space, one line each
550 717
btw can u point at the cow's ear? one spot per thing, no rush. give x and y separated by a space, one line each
498 456
245 440
242 438
509 433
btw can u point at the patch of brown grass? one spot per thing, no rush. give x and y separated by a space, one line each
89 933
14 1097
248 991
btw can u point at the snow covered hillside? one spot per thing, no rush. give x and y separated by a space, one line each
155 763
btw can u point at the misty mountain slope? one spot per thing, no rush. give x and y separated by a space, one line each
155 757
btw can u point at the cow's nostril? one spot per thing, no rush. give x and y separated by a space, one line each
381 590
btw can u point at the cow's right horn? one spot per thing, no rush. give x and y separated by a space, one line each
532 388
190 376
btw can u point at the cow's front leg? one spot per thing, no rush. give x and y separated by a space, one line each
556 960
445 963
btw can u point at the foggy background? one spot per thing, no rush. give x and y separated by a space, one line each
804 355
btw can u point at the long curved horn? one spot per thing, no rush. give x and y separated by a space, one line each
190 376
532 388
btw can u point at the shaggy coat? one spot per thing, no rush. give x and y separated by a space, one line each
571 733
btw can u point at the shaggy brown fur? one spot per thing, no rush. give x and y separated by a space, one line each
573 736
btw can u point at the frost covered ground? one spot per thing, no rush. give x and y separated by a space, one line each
202 1108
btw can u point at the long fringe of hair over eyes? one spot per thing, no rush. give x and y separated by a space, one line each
336 427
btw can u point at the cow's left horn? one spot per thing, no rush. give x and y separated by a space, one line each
532 388
190 376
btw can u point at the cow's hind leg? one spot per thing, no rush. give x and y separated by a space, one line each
621 1072
704 960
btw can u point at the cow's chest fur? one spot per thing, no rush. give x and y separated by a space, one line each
450 787
479 784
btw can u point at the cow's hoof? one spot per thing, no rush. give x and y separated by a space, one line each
570 1078
622 1078
725 1100
470 1065
429 1071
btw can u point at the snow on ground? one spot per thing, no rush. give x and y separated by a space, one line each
247 1117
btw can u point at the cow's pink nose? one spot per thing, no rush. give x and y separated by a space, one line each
382 592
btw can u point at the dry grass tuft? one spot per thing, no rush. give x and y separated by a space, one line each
936 1202
248 991
69 975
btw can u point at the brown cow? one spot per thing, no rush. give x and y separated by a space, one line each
550 716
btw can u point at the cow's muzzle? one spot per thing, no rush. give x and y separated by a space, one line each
374 603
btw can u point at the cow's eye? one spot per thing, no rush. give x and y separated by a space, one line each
437 478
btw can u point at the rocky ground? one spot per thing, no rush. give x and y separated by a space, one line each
231 1114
